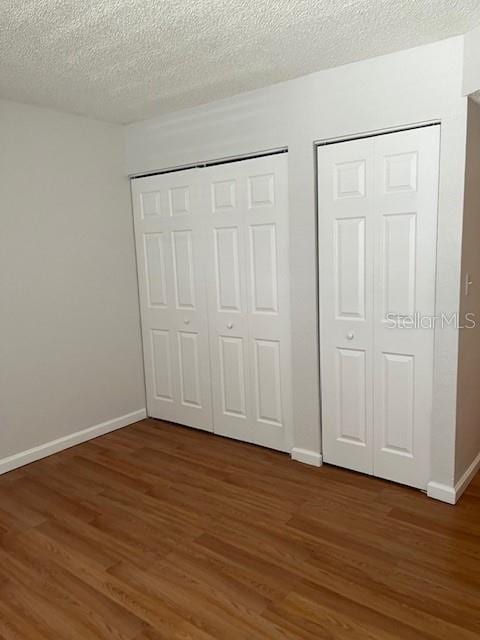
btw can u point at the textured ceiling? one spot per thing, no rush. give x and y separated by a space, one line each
126 60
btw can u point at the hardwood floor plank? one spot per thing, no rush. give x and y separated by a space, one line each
35 586
112 619
18 623
37 497
205 608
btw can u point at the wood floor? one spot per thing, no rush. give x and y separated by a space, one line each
160 532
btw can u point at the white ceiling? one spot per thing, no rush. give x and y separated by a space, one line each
126 60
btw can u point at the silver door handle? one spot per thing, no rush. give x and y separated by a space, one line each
186 320
230 325
350 335
468 284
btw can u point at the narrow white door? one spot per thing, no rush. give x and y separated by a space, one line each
405 208
168 230
345 194
248 284
377 238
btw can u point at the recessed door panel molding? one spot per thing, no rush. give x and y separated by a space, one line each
350 267
155 269
232 376
268 381
263 252
349 179
397 395
400 243
179 200
183 268
150 204
352 396
213 250
224 196
227 268
377 234
261 190
189 368
162 364
401 172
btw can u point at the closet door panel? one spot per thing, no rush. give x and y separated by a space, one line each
268 285
170 255
345 195
406 188
249 315
224 204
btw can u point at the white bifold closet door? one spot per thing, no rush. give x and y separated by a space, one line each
248 292
212 251
377 253
171 276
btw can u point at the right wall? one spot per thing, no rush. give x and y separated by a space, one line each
467 452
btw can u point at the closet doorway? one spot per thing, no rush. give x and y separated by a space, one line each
377 252
212 255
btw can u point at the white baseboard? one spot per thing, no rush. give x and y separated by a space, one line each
44 450
467 477
442 492
452 494
306 456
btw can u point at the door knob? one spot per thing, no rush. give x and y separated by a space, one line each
230 325
186 320
350 335
468 283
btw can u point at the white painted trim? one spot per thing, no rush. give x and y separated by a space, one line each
449 494
441 492
306 456
44 450
467 477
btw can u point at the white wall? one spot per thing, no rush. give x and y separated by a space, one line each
468 406
70 353
471 67
417 85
